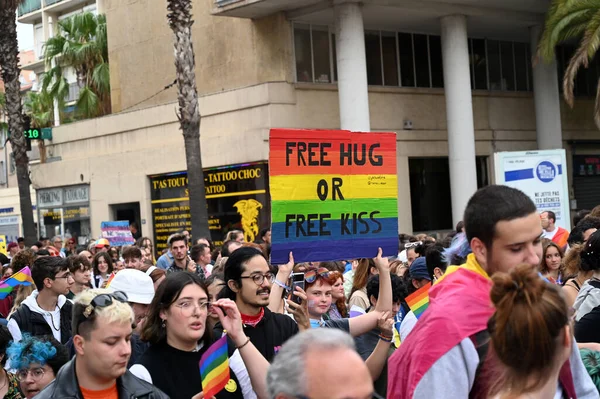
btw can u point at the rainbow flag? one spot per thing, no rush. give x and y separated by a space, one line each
334 195
418 301
22 277
110 279
214 368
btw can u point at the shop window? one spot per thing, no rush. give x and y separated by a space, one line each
421 46
435 54
407 67
302 48
430 191
373 57
390 58
320 39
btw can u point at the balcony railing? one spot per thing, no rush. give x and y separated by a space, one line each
50 2
28 6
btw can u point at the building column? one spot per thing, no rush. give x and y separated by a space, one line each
547 99
459 113
353 90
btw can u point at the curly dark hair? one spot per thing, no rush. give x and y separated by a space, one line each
22 259
399 288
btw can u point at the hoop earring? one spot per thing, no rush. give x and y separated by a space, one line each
163 324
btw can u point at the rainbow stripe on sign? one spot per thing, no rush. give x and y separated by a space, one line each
22 277
334 195
214 368
418 301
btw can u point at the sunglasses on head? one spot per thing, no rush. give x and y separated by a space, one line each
311 275
103 301
412 244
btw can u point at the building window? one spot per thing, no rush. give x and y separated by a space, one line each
373 56
415 60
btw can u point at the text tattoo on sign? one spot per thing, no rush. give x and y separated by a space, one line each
332 188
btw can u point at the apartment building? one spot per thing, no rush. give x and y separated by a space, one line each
453 78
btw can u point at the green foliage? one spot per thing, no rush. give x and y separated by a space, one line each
81 44
568 20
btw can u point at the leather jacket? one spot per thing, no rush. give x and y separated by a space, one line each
66 386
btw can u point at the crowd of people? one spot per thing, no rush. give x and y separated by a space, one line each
512 311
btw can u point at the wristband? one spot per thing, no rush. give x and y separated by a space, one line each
385 339
245 343
282 285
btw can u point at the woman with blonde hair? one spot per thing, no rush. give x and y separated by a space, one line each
358 295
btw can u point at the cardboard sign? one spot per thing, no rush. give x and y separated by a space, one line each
334 195
117 233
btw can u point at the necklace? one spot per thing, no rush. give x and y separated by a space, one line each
52 321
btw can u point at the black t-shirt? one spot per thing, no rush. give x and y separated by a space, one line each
177 373
268 335
587 329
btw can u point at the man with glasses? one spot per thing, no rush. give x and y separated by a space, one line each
248 281
57 243
46 311
319 364
102 329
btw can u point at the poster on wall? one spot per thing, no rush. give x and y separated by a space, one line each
236 196
542 175
334 195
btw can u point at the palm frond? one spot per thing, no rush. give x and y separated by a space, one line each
87 105
101 78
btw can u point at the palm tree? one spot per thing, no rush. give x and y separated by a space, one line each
180 21
573 20
9 62
80 43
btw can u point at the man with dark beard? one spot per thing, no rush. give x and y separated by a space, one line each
248 281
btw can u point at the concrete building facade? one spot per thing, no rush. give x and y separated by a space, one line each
453 78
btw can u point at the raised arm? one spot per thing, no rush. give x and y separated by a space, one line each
283 274
378 358
362 324
256 364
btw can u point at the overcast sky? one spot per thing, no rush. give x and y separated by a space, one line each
25 36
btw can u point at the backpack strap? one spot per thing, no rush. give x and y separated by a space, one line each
565 377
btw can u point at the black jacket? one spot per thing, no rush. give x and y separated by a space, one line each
66 386
34 323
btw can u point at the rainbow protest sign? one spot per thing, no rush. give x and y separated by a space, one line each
334 195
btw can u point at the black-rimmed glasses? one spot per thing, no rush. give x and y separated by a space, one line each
259 279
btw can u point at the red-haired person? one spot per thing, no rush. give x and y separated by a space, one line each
338 309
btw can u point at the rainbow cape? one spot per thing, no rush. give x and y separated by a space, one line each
418 301
22 277
214 368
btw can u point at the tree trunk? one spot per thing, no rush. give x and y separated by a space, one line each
180 21
9 62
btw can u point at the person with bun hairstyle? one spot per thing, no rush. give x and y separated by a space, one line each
587 303
444 355
530 335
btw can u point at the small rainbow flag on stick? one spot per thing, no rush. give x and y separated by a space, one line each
22 277
418 301
214 368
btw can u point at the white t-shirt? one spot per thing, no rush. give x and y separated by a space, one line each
550 234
